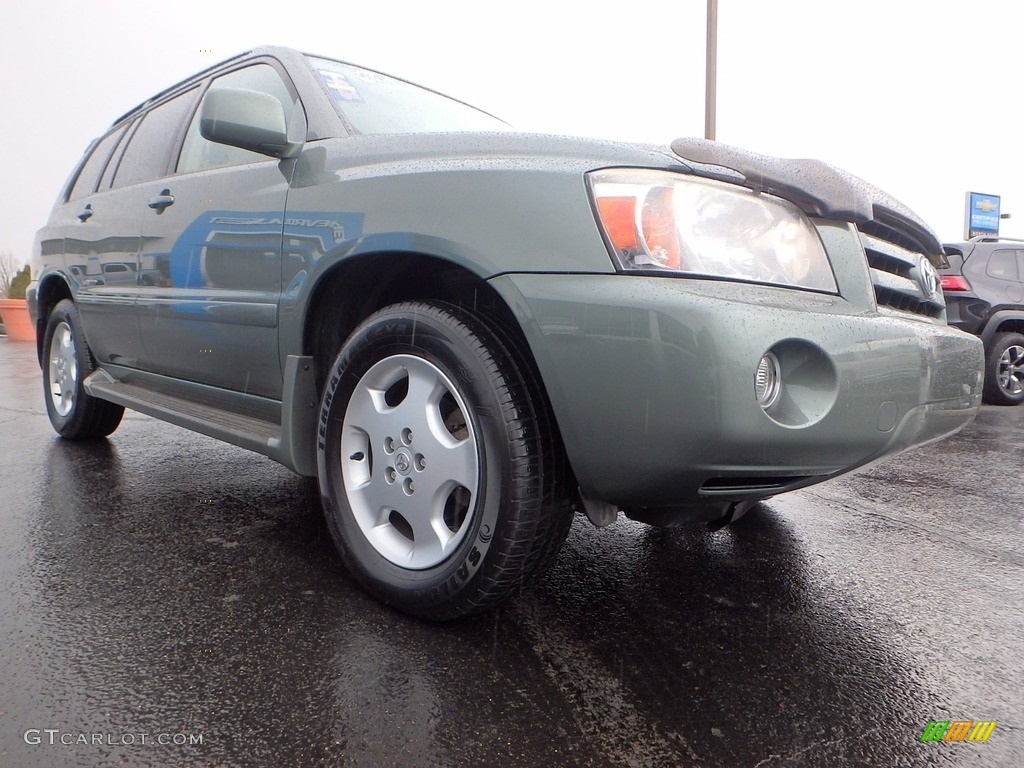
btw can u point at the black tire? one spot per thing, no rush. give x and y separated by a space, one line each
1004 370
438 477
561 499
67 361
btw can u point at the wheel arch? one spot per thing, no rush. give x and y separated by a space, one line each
52 289
1004 321
358 286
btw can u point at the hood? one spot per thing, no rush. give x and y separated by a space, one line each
819 189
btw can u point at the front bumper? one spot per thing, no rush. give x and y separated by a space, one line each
652 383
967 312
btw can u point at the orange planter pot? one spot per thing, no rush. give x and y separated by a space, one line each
17 323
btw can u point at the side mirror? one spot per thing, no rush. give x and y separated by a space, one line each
247 119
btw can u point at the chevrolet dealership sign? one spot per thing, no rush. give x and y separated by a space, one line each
982 215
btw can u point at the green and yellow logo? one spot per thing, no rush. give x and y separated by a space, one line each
958 730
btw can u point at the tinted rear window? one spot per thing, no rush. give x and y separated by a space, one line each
89 176
148 150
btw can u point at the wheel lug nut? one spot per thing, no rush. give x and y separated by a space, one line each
407 436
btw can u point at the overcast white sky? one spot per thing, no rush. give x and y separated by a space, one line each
920 98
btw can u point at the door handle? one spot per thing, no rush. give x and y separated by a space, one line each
161 201
85 213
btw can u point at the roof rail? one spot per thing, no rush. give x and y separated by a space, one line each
165 91
991 239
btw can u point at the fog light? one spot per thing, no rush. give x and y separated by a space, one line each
767 381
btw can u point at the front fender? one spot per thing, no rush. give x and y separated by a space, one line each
997 319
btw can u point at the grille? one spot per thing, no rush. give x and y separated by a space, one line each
896 276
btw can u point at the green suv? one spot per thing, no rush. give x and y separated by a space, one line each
468 334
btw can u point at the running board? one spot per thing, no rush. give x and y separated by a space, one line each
290 441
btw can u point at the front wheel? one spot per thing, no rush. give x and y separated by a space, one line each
1004 370
434 462
67 360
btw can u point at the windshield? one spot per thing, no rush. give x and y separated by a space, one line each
375 103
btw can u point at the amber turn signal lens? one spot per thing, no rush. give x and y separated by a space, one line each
618 214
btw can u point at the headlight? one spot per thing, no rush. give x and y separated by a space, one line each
666 222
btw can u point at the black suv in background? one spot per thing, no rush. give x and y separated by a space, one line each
984 288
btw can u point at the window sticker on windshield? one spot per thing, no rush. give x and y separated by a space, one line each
371 77
339 86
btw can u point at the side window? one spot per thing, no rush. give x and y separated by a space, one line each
148 150
1002 265
107 181
197 153
89 175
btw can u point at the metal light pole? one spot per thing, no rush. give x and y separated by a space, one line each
711 71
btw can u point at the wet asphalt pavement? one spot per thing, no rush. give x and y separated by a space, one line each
164 587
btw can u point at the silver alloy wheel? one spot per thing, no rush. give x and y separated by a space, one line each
1010 373
409 461
63 369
